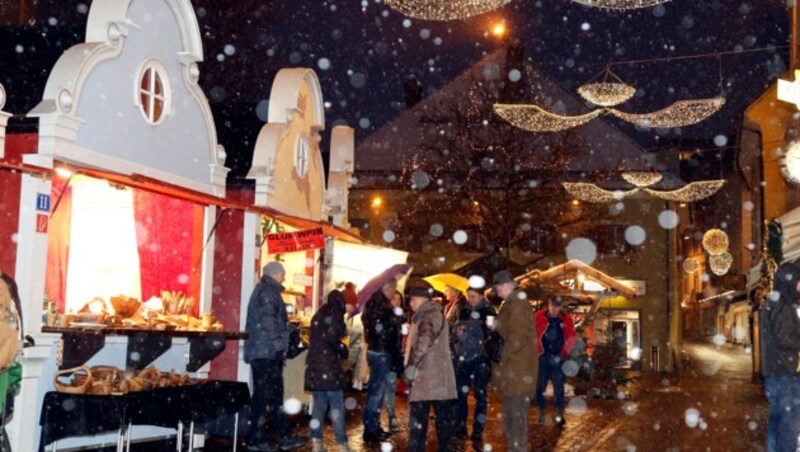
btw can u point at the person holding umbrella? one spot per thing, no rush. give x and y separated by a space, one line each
453 287
382 336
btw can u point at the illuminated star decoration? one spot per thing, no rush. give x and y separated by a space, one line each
620 4
444 9
534 118
641 180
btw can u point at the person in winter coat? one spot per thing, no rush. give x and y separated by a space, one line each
265 350
780 346
473 368
382 335
324 376
514 377
454 303
429 371
556 339
350 297
396 368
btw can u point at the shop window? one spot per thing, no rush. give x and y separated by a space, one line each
153 92
621 329
301 156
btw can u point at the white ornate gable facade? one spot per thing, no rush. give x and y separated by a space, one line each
127 100
287 163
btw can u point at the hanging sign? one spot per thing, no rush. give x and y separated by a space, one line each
289 242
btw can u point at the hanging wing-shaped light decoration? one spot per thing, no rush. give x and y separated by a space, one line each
641 178
679 114
606 94
534 119
593 193
444 9
689 193
620 4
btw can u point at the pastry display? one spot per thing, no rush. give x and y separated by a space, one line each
172 311
109 380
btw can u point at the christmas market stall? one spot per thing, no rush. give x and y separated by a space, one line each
117 196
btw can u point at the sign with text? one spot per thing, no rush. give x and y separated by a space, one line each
639 286
289 242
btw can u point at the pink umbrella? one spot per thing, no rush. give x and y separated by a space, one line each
394 273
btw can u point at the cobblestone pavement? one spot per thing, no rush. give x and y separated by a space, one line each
714 381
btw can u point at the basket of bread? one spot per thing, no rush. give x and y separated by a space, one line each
110 380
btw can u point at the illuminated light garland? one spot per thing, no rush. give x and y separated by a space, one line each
715 241
689 193
681 113
721 263
691 265
620 4
606 94
593 193
533 119
444 9
641 178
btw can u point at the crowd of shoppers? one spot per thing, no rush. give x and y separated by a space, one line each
438 352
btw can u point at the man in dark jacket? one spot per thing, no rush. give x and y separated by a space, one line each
265 351
556 339
472 366
780 345
324 376
382 335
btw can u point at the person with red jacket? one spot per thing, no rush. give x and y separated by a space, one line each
556 339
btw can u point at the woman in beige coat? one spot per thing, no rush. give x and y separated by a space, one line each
430 373
514 377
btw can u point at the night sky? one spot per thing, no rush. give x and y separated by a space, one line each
363 52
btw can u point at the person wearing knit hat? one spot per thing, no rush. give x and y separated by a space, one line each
265 350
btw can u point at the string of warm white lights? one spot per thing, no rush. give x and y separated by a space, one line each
606 94
593 193
681 113
715 241
641 178
620 4
690 193
444 9
533 119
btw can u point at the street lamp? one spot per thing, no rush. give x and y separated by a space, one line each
377 201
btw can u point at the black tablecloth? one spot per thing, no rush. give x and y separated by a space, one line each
65 415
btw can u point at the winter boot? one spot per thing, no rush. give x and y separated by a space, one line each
560 421
317 446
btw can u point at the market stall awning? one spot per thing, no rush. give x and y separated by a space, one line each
143 182
573 270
